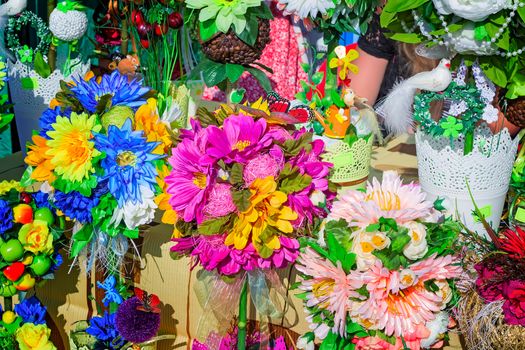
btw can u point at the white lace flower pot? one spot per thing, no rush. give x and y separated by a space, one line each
31 95
444 172
351 163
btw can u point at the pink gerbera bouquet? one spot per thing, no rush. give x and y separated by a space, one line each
382 274
244 189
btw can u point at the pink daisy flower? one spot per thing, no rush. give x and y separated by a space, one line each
388 199
329 288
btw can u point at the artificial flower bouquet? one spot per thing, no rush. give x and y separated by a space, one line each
99 152
245 186
130 320
343 120
491 313
332 17
381 274
25 328
30 236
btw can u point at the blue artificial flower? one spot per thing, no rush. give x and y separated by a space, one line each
31 311
77 206
103 328
58 262
42 200
49 117
111 293
124 92
128 163
6 217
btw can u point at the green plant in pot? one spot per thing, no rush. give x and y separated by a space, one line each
232 34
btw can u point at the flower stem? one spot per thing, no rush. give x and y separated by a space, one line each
243 310
469 142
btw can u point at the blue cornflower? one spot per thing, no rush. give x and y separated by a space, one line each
103 327
31 311
6 217
49 117
42 199
128 163
124 92
58 262
77 206
111 293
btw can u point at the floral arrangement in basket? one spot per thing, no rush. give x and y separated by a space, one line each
130 320
30 234
478 31
491 313
245 188
100 149
25 328
332 17
382 273
343 120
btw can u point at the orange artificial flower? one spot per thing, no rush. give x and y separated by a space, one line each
147 119
38 158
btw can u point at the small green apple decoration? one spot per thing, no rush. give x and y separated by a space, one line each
12 250
45 214
41 265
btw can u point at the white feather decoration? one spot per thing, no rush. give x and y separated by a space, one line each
396 107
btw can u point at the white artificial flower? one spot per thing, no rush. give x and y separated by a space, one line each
136 214
362 247
318 197
407 278
444 292
172 113
305 344
417 247
464 41
307 8
437 326
68 26
379 240
474 10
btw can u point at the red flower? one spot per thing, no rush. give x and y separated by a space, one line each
514 306
491 281
513 243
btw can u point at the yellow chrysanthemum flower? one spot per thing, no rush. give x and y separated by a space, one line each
162 200
6 186
71 148
147 119
265 219
38 158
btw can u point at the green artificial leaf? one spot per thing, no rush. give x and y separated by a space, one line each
330 342
337 99
352 328
295 182
41 66
236 174
294 146
496 74
399 241
80 240
216 226
521 12
207 29
410 38
185 228
29 83
214 73
363 291
438 204
338 253
403 5
241 199
234 72
388 339
261 77
131 234
341 232
263 11
250 32
206 118
431 286
306 69
26 179
317 248
390 260
104 103
317 78
84 187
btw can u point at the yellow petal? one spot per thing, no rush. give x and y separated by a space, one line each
284 226
288 214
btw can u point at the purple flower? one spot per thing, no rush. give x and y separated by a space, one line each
190 180
31 311
134 325
103 328
491 281
239 139
6 217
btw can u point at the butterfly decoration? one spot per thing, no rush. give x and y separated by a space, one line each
149 302
278 110
112 294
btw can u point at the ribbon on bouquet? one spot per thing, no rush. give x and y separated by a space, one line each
219 298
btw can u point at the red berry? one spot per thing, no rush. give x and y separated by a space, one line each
175 20
137 17
25 197
161 29
144 43
144 29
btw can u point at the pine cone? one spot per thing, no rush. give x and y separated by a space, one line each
228 48
516 112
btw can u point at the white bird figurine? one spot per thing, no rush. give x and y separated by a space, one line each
10 8
396 108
